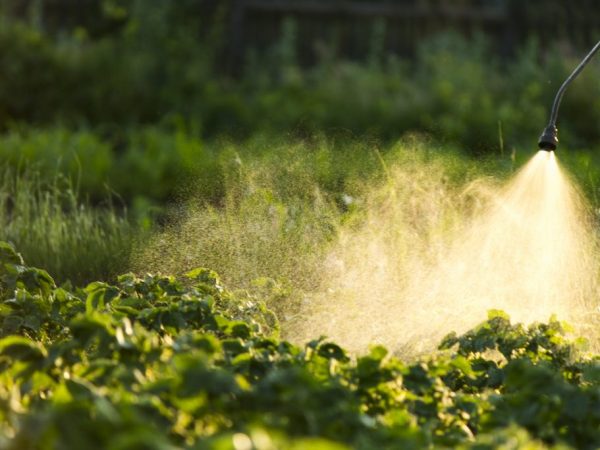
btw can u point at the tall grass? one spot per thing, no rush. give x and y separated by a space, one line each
278 212
57 230
285 204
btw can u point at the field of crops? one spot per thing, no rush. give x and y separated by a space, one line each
163 363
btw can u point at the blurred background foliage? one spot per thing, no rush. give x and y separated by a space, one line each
111 64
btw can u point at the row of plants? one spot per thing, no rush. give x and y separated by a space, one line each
164 363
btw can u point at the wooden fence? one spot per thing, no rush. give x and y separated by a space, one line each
350 25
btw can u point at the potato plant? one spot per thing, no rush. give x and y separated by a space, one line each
164 363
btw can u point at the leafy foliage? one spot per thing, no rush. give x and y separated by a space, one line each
163 363
166 61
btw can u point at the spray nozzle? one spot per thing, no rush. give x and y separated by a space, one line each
549 139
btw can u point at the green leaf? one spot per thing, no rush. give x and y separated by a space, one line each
378 352
85 326
233 346
330 350
8 254
240 329
449 341
204 275
493 313
591 373
35 280
99 294
464 365
22 349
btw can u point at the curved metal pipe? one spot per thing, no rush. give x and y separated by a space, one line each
549 139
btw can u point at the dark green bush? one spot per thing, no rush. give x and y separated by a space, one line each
158 65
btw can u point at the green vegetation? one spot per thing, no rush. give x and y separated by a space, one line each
165 66
159 362
145 165
127 146
55 229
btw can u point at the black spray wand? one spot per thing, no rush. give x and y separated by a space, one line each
549 138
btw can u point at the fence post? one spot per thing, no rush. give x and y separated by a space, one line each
237 48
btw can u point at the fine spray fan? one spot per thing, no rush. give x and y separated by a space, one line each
549 139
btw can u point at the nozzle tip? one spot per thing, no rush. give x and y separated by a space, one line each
549 139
